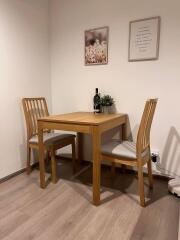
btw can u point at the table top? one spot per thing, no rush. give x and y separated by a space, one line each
85 118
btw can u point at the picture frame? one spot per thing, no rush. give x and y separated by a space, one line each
96 46
144 37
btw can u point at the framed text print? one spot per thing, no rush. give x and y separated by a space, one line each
96 46
144 37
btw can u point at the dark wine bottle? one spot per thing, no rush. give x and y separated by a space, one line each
96 101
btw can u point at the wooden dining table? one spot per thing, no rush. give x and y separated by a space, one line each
81 122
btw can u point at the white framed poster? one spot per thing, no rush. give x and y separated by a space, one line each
144 37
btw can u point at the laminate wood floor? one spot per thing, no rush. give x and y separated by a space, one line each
64 211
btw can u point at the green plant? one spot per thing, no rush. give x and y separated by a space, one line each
106 100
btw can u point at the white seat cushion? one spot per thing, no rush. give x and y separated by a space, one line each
50 138
123 149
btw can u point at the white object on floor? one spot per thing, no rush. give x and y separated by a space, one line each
174 186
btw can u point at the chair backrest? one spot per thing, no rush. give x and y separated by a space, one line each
143 137
34 108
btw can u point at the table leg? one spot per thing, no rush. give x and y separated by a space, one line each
124 132
41 156
80 146
96 138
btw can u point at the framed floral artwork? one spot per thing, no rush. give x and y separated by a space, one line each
96 46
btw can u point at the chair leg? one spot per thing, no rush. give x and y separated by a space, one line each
28 166
113 170
150 176
123 166
74 156
141 186
48 157
53 166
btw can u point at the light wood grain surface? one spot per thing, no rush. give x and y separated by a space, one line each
83 118
64 211
142 146
35 108
81 122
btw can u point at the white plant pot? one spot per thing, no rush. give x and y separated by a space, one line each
106 109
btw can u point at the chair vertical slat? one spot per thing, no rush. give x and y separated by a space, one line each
142 150
42 108
38 109
29 117
143 138
35 114
46 108
34 108
150 117
31 120
152 110
26 110
145 135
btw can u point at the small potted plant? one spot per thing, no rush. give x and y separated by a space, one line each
106 102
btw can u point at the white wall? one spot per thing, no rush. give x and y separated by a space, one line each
130 84
24 71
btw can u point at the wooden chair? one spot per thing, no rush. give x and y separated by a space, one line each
134 154
35 108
